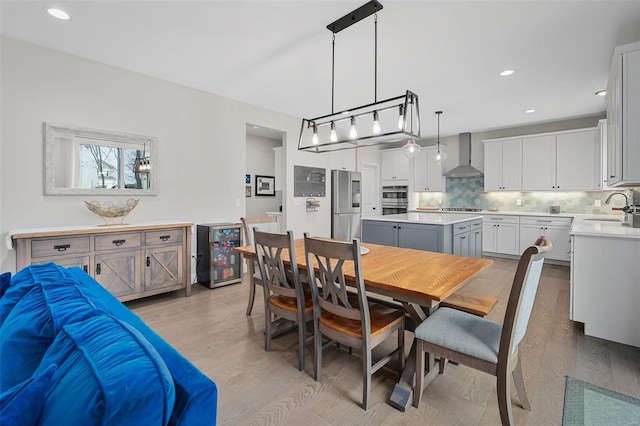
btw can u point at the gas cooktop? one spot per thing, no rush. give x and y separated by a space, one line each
460 209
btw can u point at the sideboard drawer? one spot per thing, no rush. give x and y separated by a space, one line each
59 246
167 236
118 241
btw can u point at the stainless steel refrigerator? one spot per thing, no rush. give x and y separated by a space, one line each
345 204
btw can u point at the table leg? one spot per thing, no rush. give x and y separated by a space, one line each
402 395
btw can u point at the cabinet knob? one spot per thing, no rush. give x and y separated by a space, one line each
98 269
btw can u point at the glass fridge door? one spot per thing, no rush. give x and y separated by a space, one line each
225 263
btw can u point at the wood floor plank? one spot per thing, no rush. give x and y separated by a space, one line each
255 387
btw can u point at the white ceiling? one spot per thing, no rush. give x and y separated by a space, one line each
277 54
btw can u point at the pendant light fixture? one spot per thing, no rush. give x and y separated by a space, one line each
440 156
388 121
411 149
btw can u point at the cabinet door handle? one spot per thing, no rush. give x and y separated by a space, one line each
119 242
165 237
98 269
85 268
148 261
399 227
62 247
463 237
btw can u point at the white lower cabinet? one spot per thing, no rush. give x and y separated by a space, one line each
605 295
556 229
501 234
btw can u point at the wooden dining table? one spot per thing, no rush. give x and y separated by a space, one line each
418 280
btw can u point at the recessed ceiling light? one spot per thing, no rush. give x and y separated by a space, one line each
529 111
58 13
506 73
601 93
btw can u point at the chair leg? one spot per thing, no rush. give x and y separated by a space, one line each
251 268
302 342
366 377
442 362
417 390
267 327
504 397
519 381
318 350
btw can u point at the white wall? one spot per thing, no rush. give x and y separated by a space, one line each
260 160
201 142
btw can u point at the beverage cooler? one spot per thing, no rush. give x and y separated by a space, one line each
217 263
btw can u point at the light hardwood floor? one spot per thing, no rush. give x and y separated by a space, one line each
261 388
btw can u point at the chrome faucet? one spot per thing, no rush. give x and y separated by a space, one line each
626 209
626 199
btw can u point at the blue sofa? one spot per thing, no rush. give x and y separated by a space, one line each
71 352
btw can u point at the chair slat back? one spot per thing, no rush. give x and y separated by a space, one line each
522 296
265 224
325 266
276 276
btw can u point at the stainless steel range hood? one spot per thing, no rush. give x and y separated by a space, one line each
464 169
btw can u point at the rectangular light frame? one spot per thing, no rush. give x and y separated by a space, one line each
388 111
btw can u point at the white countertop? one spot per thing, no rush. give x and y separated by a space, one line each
583 224
505 213
595 228
430 218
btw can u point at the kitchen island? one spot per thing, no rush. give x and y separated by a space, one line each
605 278
458 233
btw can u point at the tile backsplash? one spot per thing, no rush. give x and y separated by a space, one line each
469 192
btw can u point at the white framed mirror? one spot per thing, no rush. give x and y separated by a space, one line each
83 161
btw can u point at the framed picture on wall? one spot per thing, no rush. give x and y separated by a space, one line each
247 191
265 185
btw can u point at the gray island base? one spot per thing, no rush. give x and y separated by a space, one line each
459 234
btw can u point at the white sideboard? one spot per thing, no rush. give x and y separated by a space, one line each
131 261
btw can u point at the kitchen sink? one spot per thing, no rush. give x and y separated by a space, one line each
603 220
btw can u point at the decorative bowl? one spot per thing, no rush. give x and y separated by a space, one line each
110 210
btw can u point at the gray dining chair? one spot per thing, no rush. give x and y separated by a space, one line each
482 344
347 318
284 295
266 224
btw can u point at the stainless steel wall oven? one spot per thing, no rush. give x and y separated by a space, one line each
395 199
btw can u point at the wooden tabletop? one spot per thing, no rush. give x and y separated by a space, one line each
407 275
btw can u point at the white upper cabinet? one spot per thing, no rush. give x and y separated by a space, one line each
578 160
427 173
394 167
343 160
503 165
562 161
623 110
539 163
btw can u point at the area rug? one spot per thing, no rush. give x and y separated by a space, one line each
590 405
